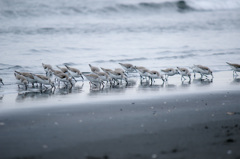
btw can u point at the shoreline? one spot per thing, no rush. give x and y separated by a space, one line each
81 93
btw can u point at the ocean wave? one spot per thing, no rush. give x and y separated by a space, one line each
121 60
225 53
11 8
177 57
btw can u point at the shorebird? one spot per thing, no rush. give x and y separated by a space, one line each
94 79
21 80
121 70
170 72
106 70
235 68
64 70
155 75
62 77
28 76
118 75
47 68
203 70
43 80
129 68
143 72
104 76
184 72
74 72
1 81
94 69
55 71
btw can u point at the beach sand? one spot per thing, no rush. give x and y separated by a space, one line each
187 124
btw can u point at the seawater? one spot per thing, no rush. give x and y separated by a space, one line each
154 34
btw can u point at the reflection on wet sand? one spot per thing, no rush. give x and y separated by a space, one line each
36 94
27 95
121 88
66 90
146 85
201 82
170 86
186 84
107 90
236 80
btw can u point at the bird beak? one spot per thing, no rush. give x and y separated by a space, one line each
82 77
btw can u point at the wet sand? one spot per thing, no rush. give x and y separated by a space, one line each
192 124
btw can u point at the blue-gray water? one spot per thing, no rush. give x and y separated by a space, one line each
154 34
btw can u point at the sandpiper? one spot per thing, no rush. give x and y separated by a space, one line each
28 76
64 70
62 77
184 72
94 79
169 72
47 68
74 72
129 68
55 71
121 70
143 72
203 70
104 76
235 68
21 80
106 70
94 69
118 74
43 80
1 81
155 75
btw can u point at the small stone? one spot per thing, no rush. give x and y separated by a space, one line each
154 156
45 146
229 152
174 150
229 141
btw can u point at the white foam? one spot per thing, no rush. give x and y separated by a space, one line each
214 4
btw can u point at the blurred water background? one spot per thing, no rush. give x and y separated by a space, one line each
154 34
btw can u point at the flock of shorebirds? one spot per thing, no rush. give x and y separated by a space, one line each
99 77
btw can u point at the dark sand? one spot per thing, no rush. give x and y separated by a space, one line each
189 125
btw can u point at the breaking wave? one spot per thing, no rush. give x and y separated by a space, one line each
34 8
